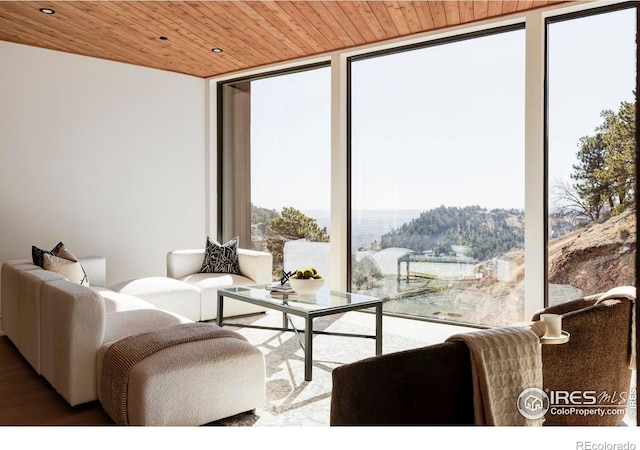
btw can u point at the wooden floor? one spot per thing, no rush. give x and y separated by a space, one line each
26 398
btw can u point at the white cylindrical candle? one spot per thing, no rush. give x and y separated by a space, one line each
553 324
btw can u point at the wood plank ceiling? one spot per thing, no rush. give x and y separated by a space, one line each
179 35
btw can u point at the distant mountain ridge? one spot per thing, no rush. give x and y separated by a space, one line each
489 233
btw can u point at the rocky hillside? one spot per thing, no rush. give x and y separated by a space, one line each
596 258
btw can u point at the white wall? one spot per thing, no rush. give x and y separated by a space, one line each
106 157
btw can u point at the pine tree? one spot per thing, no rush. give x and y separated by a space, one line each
605 172
591 187
291 225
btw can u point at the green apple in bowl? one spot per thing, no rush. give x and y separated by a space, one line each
306 282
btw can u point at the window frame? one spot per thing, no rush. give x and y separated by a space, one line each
547 22
220 124
387 52
534 22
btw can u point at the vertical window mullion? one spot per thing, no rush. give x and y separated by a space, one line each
535 241
340 175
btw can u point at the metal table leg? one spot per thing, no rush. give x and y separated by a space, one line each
308 349
220 308
379 329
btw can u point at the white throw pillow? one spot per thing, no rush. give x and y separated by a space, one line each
71 270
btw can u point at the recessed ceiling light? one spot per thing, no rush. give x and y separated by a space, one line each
47 11
217 50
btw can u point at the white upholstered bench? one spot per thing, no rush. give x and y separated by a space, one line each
185 384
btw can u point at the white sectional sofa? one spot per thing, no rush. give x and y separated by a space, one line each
64 329
255 268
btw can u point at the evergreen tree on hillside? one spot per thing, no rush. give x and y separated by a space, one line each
262 217
605 172
293 224
592 190
290 225
618 132
260 220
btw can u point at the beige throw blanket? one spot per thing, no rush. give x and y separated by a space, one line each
504 362
122 355
628 292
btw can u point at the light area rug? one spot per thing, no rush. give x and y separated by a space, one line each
292 401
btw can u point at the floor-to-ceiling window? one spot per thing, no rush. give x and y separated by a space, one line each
275 160
437 179
591 73
436 144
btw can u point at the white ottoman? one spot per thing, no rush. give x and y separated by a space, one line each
193 383
165 293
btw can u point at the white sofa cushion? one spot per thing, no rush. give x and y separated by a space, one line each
256 265
181 263
122 324
52 329
116 301
29 301
165 293
209 283
72 329
11 272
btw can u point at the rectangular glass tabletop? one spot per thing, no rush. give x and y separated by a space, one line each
324 302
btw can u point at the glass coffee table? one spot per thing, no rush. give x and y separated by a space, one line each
324 303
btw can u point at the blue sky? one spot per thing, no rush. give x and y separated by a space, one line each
447 121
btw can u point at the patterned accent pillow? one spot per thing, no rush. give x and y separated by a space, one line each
221 258
37 254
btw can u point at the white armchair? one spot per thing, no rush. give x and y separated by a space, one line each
255 268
